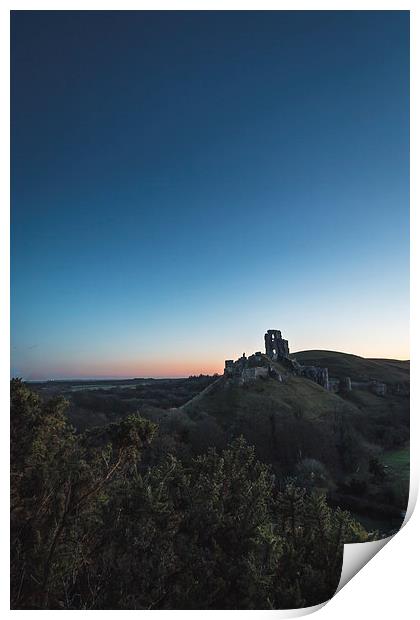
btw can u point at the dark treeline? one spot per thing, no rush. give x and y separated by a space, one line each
112 518
110 403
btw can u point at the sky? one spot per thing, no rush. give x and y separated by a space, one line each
183 181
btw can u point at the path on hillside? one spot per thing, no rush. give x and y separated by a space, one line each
206 390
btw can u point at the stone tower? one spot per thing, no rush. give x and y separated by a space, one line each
275 346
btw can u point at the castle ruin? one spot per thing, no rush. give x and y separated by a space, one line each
256 366
261 366
275 346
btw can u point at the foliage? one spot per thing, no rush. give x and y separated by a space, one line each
101 521
312 474
55 478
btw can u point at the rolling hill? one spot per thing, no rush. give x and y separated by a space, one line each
292 423
287 421
298 419
340 365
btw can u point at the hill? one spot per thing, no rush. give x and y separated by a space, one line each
386 419
287 421
341 441
391 372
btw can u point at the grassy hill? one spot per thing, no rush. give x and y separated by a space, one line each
295 425
287 421
298 426
358 368
298 419
385 421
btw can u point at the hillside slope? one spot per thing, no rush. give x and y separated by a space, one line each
297 419
358 368
287 421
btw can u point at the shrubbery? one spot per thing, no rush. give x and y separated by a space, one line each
95 524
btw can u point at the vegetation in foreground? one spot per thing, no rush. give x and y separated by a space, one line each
111 519
296 427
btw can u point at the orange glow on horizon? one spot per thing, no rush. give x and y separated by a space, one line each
158 368
132 369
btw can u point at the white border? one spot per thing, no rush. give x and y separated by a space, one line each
367 595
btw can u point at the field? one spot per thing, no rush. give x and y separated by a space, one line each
397 463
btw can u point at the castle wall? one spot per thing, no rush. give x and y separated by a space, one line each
276 348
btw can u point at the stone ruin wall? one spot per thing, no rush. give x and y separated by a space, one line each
247 369
257 366
277 349
275 346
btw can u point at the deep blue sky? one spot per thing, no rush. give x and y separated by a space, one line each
182 181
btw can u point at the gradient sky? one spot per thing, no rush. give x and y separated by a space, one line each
183 181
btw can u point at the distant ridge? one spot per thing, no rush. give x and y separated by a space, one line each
341 364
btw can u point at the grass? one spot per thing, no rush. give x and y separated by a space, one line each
356 367
384 527
398 463
296 396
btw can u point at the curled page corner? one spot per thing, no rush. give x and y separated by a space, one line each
357 555
299 611
412 498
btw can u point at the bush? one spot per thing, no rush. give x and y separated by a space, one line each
94 526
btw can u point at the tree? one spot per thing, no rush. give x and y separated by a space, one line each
57 479
98 524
